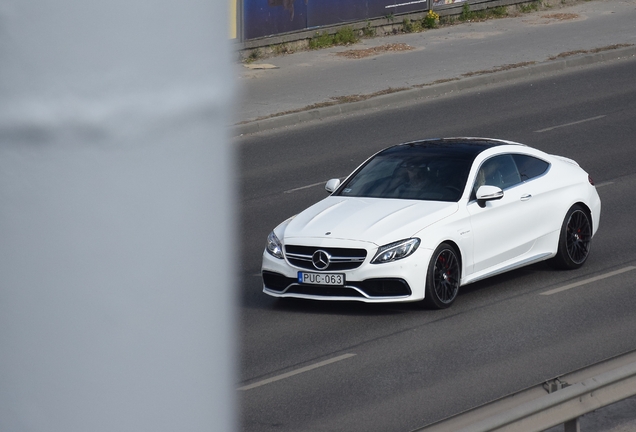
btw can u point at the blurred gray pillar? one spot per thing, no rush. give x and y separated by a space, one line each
116 202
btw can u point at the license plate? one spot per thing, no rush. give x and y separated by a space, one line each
337 279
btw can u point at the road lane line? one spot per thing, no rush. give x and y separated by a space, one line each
587 281
296 372
570 124
607 183
305 187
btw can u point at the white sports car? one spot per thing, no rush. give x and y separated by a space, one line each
418 220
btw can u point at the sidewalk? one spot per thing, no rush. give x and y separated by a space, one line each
452 55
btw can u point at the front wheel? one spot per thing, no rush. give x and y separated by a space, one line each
575 239
442 278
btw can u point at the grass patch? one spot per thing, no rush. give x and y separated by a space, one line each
321 40
481 15
430 21
344 36
281 49
466 14
368 31
530 7
254 55
499 12
411 26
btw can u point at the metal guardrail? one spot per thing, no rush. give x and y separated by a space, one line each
561 400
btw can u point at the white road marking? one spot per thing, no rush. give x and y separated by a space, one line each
305 187
587 281
571 124
607 183
296 372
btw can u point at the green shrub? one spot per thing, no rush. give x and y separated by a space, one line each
469 15
531 7
321 40
430 20
254 55
409 26
466 14
368 31
345 36
499 11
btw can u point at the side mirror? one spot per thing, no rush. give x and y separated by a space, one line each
488 193
332 185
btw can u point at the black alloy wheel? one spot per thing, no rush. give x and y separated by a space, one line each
442 279
579 236
575 239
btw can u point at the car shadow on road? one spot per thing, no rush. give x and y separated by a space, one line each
477 294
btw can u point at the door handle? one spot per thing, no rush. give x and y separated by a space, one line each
526 197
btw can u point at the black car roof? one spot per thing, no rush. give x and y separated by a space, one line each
465 148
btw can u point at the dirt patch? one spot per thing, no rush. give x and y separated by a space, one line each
561 16
590 51
499 69
357 98
362 53
439 81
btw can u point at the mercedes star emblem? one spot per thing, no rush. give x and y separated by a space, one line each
320 258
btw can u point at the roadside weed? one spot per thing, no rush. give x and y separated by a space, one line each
344 36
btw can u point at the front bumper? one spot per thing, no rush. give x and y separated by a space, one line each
398 281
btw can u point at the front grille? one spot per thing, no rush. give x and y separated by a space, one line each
340 258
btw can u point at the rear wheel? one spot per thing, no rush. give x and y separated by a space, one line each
575 239
442 278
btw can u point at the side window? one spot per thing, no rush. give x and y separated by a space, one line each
530 167
500 171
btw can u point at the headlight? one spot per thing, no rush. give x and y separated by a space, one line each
274 246
395 251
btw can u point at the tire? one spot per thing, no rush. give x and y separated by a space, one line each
442 277
574 240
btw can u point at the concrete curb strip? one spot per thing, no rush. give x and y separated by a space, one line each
430 91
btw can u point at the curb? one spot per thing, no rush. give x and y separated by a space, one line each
429 91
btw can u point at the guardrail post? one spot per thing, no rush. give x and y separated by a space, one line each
572 425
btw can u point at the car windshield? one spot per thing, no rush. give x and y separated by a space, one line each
414 171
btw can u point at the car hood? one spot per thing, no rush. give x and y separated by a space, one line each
375 220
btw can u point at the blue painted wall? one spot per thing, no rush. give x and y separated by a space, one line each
270 17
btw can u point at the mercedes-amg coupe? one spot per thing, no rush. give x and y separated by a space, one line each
418 220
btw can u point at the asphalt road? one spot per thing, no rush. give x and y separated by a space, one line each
316 366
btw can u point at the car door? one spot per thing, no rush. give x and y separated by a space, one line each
500 228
